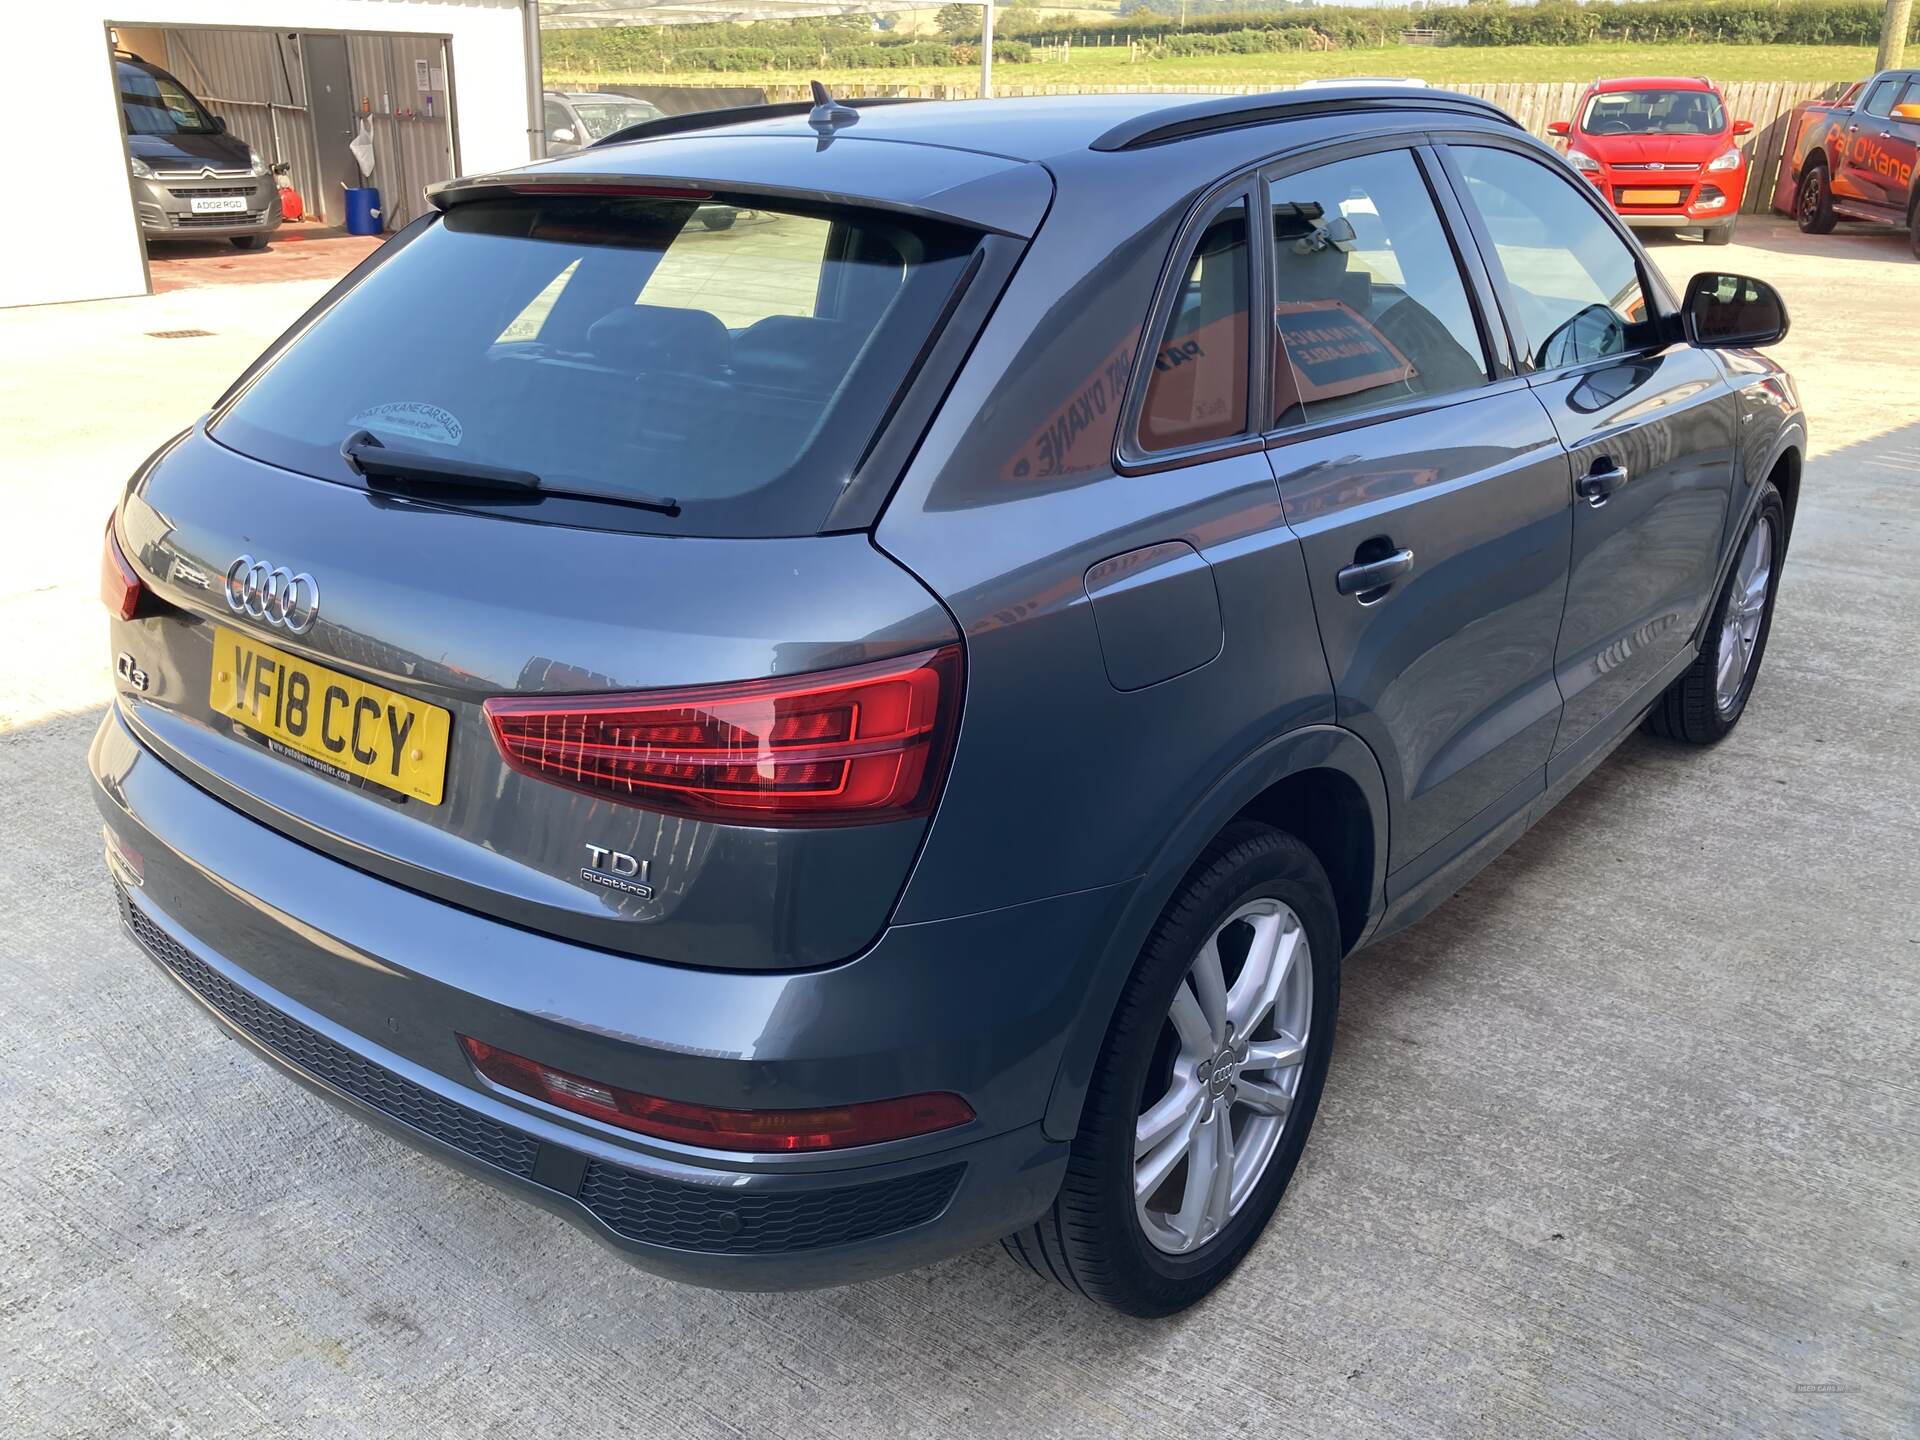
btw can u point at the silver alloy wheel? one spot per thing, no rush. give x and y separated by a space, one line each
1239 1047
1746 607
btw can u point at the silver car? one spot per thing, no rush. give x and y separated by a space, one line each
191 179
576 118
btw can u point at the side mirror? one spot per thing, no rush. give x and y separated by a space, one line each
1560 128
1742 127
563 136
219 125
1733 312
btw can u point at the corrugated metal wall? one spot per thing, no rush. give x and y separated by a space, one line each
255 80
404 79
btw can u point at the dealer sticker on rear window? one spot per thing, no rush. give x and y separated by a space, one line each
411 419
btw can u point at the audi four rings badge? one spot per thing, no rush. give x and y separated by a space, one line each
274 594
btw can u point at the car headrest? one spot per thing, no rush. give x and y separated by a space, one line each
796 352
660 337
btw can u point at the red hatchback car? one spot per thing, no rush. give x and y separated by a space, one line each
1662 151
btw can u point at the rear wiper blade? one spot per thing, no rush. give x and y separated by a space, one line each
586 490
372 458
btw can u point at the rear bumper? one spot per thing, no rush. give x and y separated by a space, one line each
308 960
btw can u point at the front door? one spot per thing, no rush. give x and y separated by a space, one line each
1650 430
1876 171
1430 496
330 108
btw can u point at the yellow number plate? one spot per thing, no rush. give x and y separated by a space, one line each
1650 197
351 728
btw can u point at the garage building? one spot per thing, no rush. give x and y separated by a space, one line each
443 87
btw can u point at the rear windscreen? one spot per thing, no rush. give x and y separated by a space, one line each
737 359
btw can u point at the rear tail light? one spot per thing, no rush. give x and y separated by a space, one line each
840 747
765 1131
119 583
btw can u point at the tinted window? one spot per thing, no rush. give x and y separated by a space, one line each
1654 112
154 103
1880 102
622 344
1198 390
1574 282
1368 304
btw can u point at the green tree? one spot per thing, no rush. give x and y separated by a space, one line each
956 21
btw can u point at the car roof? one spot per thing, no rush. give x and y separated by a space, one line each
1656 82
1024 128
1036 128
993 164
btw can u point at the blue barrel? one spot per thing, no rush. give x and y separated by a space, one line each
363 211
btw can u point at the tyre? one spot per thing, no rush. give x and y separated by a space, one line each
1718 234
1706 702
247 242
1206 1085
1913 232
1813 202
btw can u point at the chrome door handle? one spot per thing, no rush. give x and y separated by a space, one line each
1373 574
1596 487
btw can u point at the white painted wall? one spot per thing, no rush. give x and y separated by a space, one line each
68 230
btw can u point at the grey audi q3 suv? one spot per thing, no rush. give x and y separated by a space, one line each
810 746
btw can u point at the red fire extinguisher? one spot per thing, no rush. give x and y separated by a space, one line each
292 207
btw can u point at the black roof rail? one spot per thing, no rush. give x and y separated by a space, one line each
731 115
1230 112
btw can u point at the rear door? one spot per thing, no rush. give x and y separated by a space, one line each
1649 429
1428 489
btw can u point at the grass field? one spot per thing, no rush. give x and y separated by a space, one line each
1098 65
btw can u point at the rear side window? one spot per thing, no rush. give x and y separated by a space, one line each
1198 389
736 359
1574 282
1369 307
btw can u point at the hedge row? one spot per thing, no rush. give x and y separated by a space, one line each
1551 22
1238 42
929 54
848 43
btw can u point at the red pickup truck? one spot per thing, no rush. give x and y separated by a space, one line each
1855 158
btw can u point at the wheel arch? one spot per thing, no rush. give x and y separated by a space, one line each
1320 784
1785 475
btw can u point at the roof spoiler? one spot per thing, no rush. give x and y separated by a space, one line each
734 115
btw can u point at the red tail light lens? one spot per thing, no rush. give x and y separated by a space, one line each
765 1131
841 747
119 584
